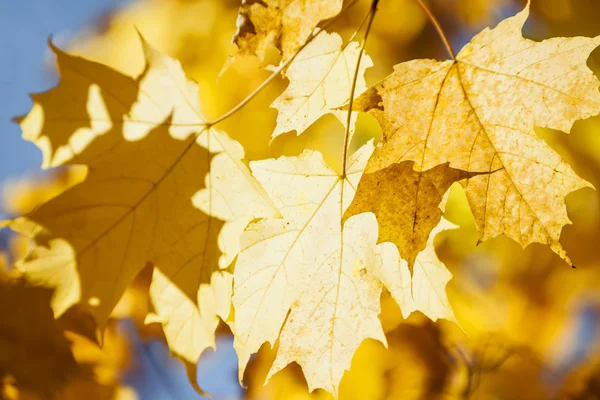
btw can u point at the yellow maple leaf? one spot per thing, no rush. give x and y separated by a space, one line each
159 187
320 82
284 24
478 112
307 264
315 283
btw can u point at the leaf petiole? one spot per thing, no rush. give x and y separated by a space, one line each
438 28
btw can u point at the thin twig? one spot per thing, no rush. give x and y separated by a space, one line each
439 29
371 14
275 73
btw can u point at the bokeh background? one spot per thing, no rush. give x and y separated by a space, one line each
530 324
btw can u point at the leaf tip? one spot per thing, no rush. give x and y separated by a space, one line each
146 47
55 49
51 44
18 119
150 53
140 35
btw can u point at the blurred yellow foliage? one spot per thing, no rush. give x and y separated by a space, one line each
42 358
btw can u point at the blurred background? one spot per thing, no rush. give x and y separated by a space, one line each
530 324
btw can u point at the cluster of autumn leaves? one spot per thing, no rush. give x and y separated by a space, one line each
293 250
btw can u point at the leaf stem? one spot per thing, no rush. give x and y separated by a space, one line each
372 13
438 28
276 72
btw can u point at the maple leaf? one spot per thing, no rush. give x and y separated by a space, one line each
478 112
321 272
320 82
307 264
284 24
159 189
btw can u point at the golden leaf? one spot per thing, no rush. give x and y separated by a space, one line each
308 265
161 187
283 24
320 82
479 112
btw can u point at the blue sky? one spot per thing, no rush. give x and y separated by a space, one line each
160 377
